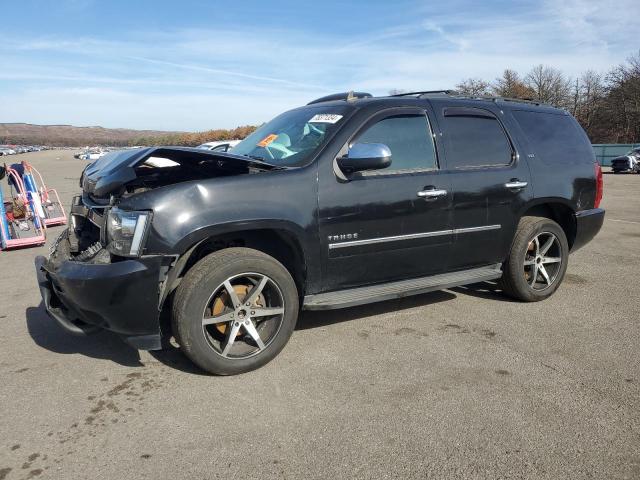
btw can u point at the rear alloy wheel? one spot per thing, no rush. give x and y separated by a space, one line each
235 310
537 261
543 261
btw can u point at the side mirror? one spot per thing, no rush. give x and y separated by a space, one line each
365 156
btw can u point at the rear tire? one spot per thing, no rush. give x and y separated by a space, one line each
235 310
537 261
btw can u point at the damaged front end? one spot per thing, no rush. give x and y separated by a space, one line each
86 288
100 273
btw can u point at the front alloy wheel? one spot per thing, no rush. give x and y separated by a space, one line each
243 315
235 310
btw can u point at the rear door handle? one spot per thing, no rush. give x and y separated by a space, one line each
515 184
432 194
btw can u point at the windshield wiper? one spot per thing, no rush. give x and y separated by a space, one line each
269 166
255 157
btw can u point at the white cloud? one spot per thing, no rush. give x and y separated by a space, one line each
224 72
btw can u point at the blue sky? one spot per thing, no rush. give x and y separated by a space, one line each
196 64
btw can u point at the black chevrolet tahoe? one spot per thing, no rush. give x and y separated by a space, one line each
348 200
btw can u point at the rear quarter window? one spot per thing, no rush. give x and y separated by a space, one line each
555 138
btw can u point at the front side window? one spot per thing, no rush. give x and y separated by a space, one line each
409 139
293 138
475 141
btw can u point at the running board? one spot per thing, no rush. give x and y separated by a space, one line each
399 289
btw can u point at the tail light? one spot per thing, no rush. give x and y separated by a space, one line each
599 186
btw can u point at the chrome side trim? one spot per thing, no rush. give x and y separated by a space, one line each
411 236
394 238
477 229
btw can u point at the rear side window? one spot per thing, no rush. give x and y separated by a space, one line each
409 139
475 140
554 138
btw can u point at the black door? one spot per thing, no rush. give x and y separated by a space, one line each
388 224
490 182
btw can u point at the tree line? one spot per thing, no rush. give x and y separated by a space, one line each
124 139
61 141
192 139
607 105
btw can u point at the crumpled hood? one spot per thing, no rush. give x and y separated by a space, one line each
113 172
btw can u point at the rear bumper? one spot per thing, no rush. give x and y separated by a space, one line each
588 224
121 297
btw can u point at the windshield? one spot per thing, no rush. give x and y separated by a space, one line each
293 138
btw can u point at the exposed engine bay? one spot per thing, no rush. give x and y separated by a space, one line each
132 171
122 174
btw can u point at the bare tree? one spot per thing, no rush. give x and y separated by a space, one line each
473 87
511 86
575 97
607 106
621 106
549 85
590 94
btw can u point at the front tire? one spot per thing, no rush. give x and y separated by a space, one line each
537 261
235 310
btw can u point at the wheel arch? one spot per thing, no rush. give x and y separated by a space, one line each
557 209
278 241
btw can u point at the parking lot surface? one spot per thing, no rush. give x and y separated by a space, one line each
463 383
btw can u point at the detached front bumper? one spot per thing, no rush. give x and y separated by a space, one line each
121 297
588 224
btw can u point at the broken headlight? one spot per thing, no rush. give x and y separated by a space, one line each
126 231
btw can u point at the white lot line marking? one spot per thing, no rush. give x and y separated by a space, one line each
623 221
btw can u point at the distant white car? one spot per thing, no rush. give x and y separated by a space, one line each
95 155
220 146
91 154
627 163
7 151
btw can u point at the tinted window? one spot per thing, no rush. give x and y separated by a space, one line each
554 138
475 141
408 137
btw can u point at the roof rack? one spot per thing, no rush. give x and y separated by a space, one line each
425 92
351 96
348 96
513 99
458 94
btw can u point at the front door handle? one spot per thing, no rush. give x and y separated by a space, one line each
432 194
515 184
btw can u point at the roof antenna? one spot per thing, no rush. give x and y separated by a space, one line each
351 97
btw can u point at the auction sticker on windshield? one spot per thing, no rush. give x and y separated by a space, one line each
267 140
325 118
